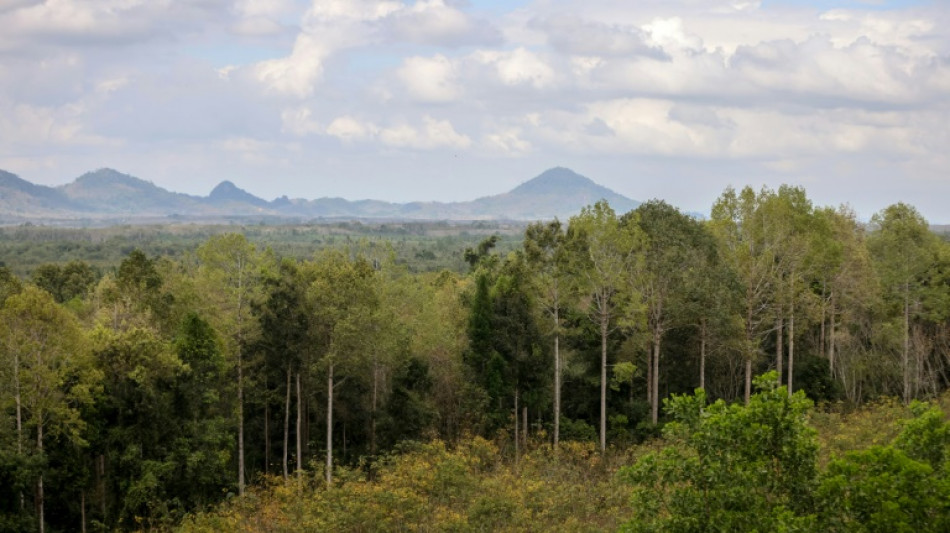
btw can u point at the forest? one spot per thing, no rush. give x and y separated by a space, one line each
780 366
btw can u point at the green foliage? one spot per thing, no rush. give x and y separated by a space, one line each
904 486
729 467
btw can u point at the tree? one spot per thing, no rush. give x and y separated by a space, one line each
605 257
674 253
344 301
730 467
72 280
231 270
738 224
904 250
546 255
51 374
284 317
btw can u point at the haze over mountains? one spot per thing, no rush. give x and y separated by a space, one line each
107 194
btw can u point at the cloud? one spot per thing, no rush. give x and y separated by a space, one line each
430 134
518 67
433 22
430 79
573 36
738 87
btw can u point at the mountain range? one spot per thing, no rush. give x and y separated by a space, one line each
109 195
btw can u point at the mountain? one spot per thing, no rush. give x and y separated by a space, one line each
107 194
107 191
228 193
558 192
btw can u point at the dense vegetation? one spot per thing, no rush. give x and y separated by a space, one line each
342 389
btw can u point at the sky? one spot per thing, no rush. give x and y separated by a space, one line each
449 100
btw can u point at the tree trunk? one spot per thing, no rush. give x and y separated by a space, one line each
372 423
287 424
329 466
19 414
831 338
791 347
266 430
82 510
40 504
299 432
905 355
750 339
517 435
748 379
779 341
655 400
101 473
524 426
603 382
702 353
650 376
557 382
240 392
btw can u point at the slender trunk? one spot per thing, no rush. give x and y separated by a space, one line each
748 379
101 473
791 347
372 422
298 432
557 382
330 425
240 392
82 510
650 377
779 341
750 339
524 426
19 414
824 304
287 424
517 434
603 382
240 377
831 338
266 432
40 504
655 400
905 355
702 353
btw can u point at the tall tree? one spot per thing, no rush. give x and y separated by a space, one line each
738 223
545 253
344 301
51 374
231 270
904 251
604 256
674 253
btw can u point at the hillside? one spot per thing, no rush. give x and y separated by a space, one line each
107 194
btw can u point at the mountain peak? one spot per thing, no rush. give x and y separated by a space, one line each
227 191
557 178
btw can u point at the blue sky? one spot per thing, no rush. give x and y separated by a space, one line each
446 100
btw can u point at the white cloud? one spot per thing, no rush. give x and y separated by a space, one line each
299 121
297 74
434 22
429 135
430 79
518 67
349 129
758 87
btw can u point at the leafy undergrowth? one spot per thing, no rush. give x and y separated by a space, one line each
430 487
475 487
